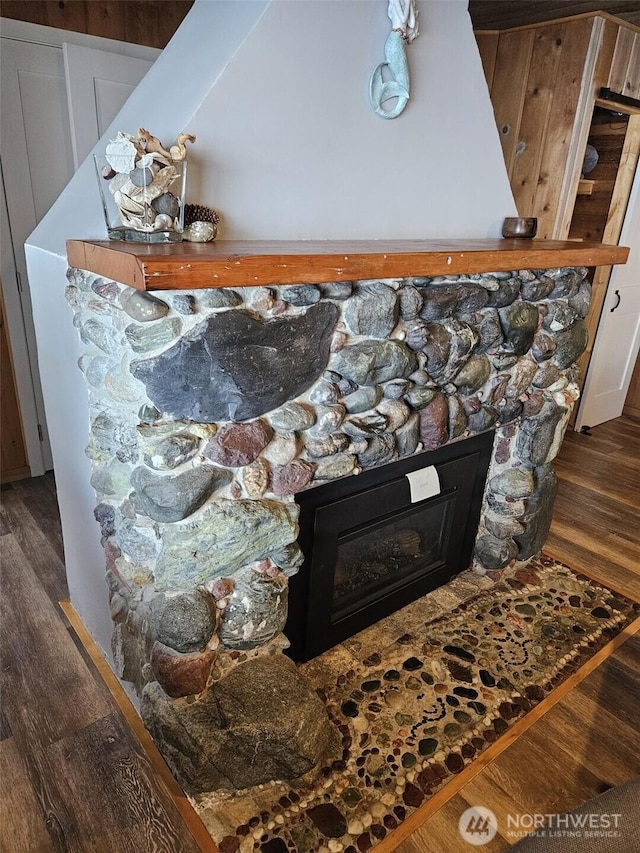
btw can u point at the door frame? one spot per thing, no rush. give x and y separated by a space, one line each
21 334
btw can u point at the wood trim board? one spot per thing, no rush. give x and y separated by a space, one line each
190 266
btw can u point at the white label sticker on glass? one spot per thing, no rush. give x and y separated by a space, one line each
423 484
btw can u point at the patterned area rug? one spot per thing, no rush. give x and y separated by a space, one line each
416 711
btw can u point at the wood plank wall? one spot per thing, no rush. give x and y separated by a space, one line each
535 91
148 22
542 81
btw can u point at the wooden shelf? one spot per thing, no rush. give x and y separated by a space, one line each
190 266
585 187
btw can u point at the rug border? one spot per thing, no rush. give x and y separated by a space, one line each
448 791
195 824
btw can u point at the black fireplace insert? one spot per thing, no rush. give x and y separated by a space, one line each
373 545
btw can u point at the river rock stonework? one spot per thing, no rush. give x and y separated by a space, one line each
206 422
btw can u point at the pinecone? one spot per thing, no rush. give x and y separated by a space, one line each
200 213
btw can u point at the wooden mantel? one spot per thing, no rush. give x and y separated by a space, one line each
188 266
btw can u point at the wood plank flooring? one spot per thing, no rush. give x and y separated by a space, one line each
73 776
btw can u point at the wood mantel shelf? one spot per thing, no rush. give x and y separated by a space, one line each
189 266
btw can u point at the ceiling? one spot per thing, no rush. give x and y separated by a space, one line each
503 14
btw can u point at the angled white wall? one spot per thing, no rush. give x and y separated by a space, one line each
287 149
297 153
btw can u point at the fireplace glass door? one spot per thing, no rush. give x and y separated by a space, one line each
371 546
374 560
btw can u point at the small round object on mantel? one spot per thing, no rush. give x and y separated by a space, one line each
200 223
520 226
200 232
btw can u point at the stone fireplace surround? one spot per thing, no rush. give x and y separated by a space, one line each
212 407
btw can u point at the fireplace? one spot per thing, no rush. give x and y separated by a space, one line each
312 388
378 541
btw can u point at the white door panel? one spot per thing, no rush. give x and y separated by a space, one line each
98 84
37 146
618 338
36 165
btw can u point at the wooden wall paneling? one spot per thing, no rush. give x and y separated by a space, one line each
608 40
624 181
503 14
632 403
512 64
549 48
106 18
148 22
569 120
488 48
632 86
151 22
622 57
591 213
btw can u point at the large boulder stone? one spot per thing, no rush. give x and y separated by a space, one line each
507 292
256 611
370 362
181 674
519 322
172 498
141 306
442 300
434 422
567 281
168 452
540 436
494 553
258 723
154 336
235 445
234 367
571 343
449 346
537 288
372 311
184 622
223 537
538 515
300 294
473 374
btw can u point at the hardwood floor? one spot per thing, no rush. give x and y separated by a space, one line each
73 776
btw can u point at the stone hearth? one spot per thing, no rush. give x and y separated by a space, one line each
212 408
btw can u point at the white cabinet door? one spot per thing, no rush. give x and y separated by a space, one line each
98 84
618 338
37 146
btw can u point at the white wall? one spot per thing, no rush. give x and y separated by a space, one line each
295 152
287 148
